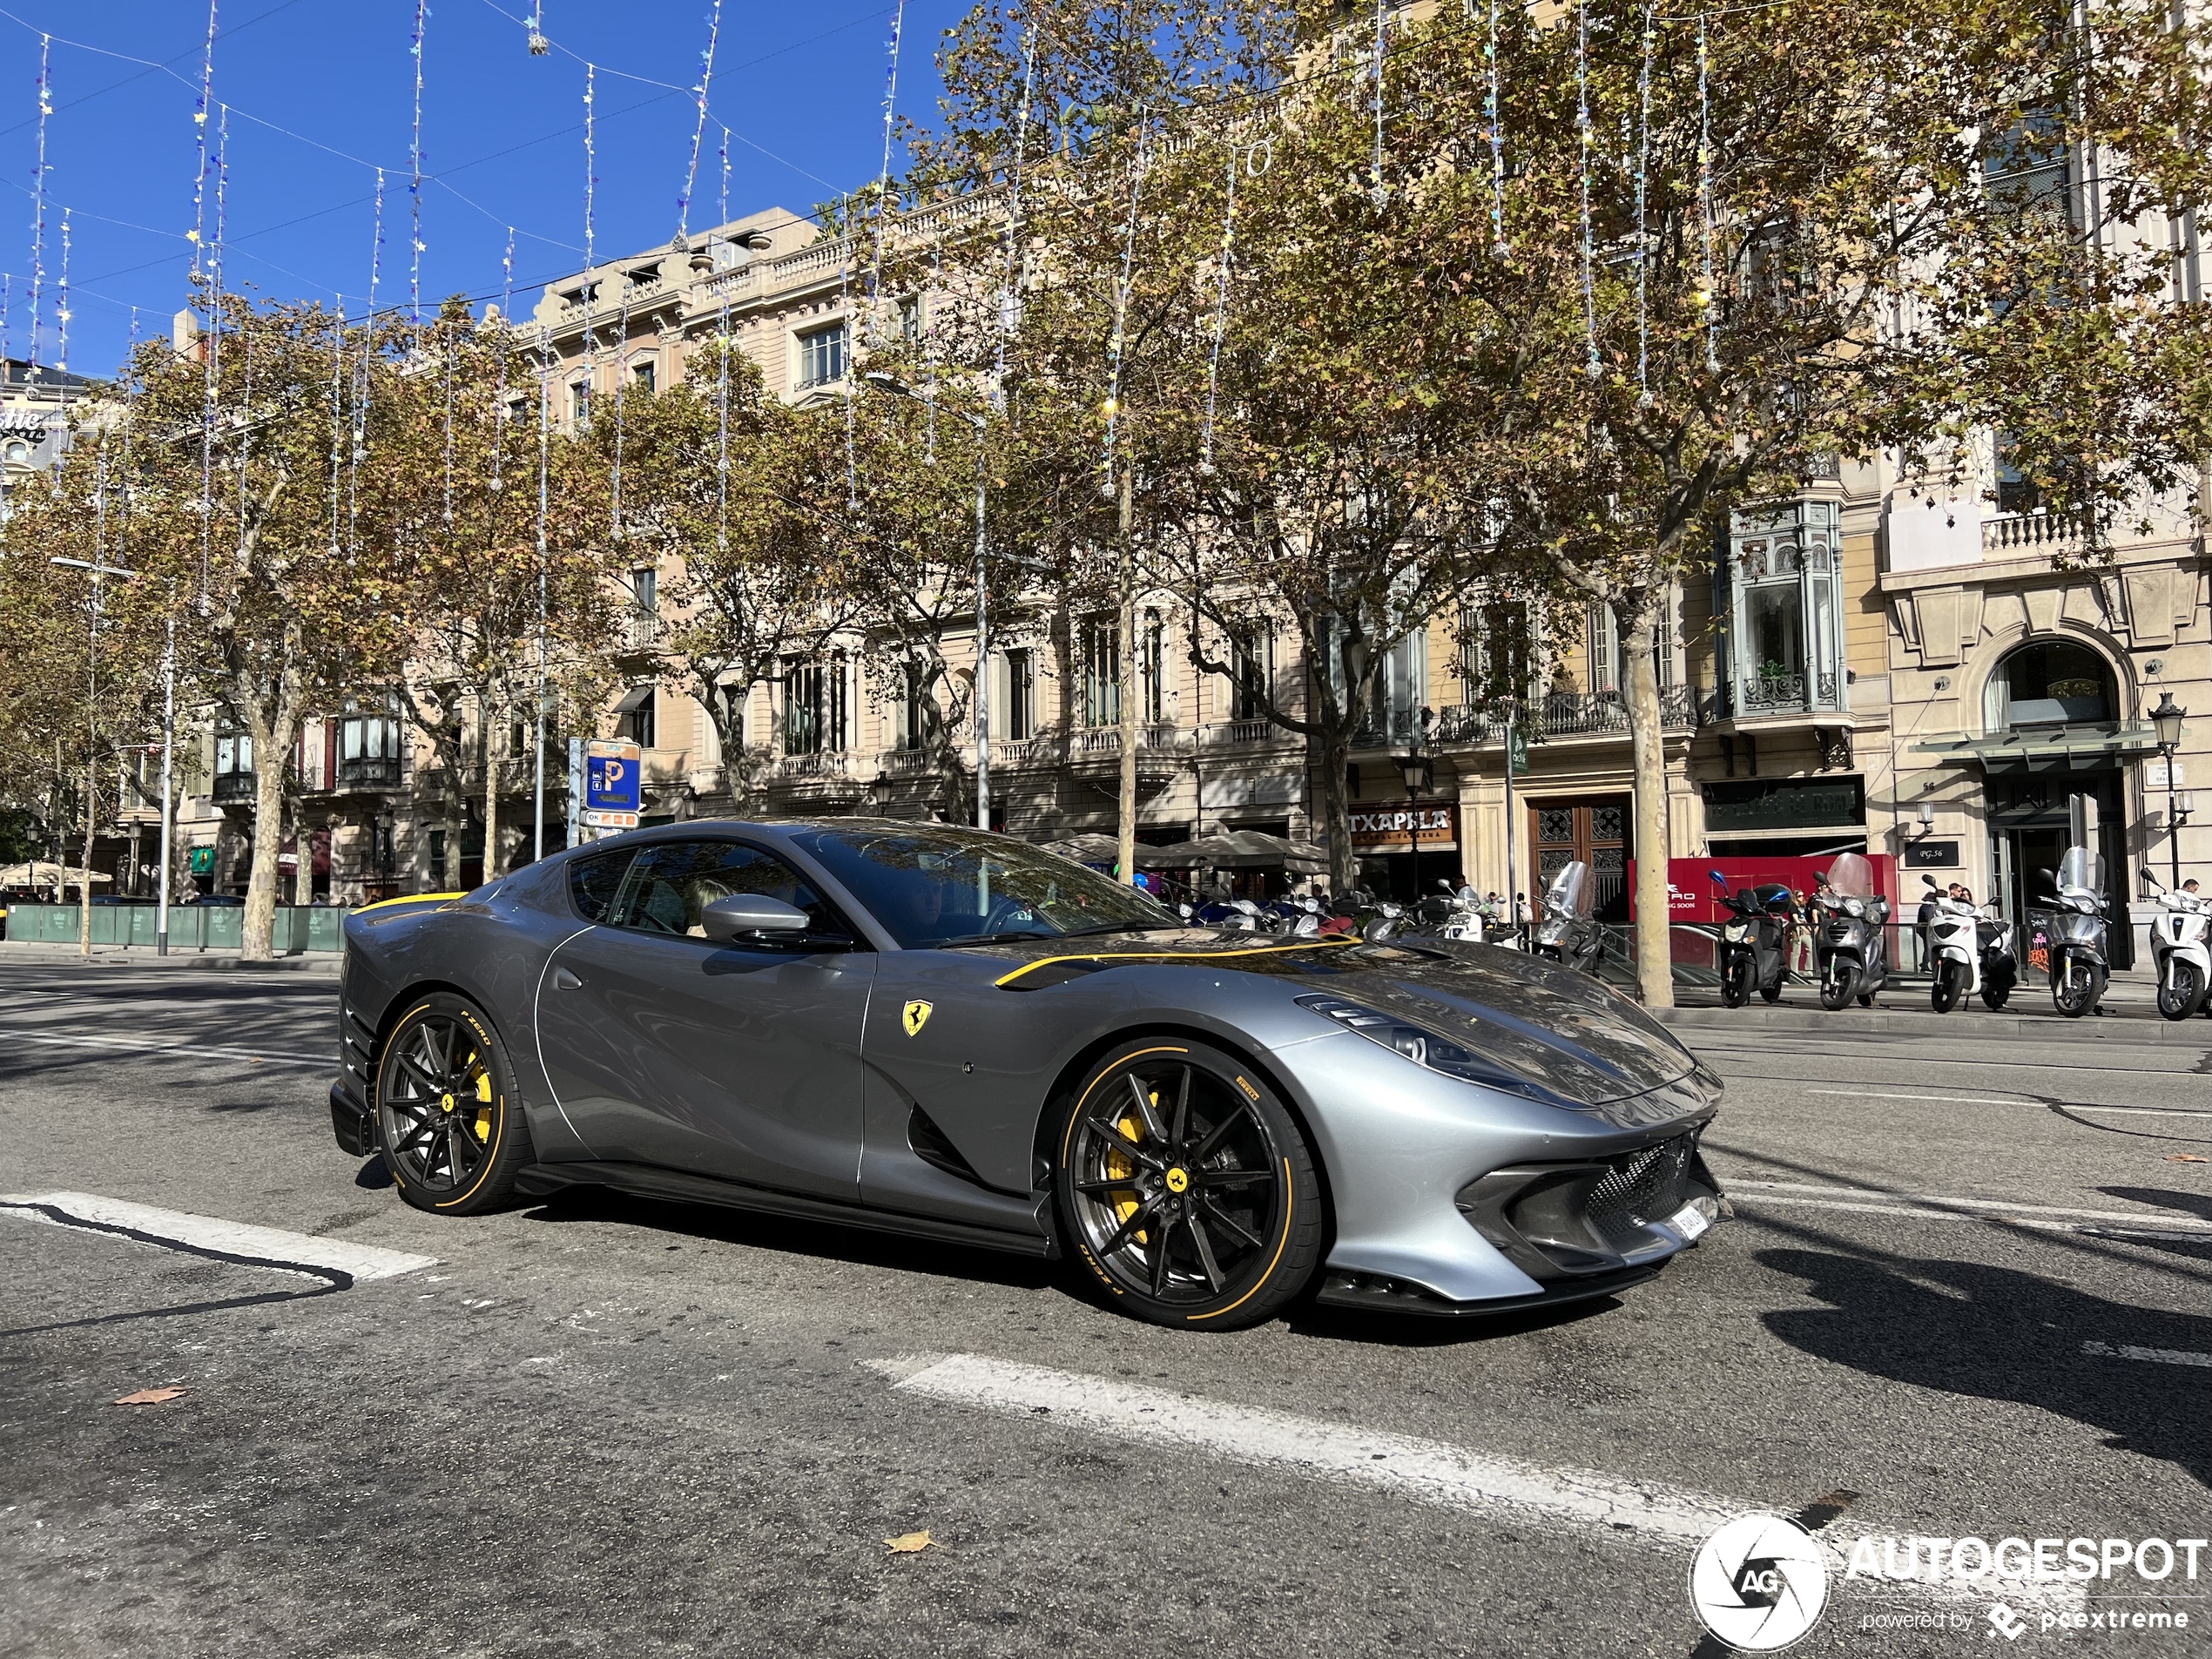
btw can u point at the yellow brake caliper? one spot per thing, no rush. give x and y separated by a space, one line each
483 1112
1119 1167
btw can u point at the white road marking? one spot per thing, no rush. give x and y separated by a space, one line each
1428 1472
181 1050
2152 1354
2156 1356
1932 1204
1989 1100
269 1246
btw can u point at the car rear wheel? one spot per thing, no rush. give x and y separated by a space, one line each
1186 1188
447 1114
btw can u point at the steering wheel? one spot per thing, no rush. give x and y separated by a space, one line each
1003 910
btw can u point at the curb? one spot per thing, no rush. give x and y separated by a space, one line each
1961 1025
68 956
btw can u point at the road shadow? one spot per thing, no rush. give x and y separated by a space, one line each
1997 1333
1377 1327
860 1246
2188 1203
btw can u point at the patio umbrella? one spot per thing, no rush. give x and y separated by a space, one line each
43 872
1237 850
1089 848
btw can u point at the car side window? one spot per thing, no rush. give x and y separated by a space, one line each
594 883
669 885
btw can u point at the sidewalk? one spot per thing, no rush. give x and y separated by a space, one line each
2130 1006
14 954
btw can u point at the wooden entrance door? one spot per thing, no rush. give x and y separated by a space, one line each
1595 830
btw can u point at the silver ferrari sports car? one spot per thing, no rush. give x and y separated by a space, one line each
935 1031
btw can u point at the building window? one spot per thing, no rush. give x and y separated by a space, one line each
1783 600
1496 652
579 404
2049 682
19 451
635 717
815 707
234 755
1015 715
642 376
910 713
1399 689
910 320
1251 661
821 356
727 255
645 584
1101 674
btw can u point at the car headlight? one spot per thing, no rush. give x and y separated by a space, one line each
1425 1048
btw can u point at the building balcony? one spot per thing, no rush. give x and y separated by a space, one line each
904 762
641 633
1021 754
1245 734
1094 743
233 788
369 771
1778 698
1563 715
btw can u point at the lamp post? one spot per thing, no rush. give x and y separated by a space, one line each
982 694
1420 774
2167 718
91 728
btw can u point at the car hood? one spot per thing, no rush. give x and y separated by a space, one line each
1573 1038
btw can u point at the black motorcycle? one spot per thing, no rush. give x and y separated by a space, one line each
1753 946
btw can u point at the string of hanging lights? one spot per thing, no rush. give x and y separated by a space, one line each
414 184
1585 138
61 302
1492 109
881 214
1643 240
1009 298
337 416
500 413
1706 297
38 205
1115 342
698 130
198 232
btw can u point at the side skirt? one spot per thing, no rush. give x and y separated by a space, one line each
645 1181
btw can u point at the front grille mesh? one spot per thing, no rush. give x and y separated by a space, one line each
1644 1187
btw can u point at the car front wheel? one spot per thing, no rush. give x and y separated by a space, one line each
1186 1188
446 1114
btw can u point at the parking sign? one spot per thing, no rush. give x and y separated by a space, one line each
610 784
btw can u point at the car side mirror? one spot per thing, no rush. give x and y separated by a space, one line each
744 913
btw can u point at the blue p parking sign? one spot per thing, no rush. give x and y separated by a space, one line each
610 786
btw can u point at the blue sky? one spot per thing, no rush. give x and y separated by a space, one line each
801 86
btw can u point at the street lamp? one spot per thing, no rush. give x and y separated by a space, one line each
899 388
2166 719
1419 772
168 751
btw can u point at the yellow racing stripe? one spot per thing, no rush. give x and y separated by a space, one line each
1112 956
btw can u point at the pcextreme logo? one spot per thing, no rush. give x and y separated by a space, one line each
1759 1583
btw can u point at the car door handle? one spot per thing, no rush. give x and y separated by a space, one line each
564 980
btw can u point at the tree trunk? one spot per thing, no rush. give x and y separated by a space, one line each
1125 795
1639 614
259 921
1335 747
303 872
491 797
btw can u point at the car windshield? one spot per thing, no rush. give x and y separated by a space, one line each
932 888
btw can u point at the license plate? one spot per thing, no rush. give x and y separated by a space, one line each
1689 1221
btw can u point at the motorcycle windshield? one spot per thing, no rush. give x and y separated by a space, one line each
1852 877
1573 892
2078 871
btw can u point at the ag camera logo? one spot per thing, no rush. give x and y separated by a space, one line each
1759 1583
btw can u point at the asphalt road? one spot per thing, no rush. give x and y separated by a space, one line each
1966 1282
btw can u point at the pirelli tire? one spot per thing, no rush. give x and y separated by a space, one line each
447 1118
1186 1190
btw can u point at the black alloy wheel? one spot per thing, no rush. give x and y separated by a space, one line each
2182 998
1187 1189
446 1116
1950 985
1839 987
1735 983
2074 993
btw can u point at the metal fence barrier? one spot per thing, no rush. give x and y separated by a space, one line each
297 929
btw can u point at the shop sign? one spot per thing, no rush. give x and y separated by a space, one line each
1390 829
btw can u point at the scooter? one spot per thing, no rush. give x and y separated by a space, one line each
1453 916
1967 953
2079 966
2179 949
1849 946
1753 946
1569 933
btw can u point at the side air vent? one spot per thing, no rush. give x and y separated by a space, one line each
931 1146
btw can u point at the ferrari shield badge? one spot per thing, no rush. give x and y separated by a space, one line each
917 1015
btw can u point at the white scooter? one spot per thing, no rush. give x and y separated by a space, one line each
1954 953
2181 949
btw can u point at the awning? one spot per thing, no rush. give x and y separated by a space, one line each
635 698
1793 832
2058 748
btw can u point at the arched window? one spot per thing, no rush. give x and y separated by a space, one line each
2050 682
